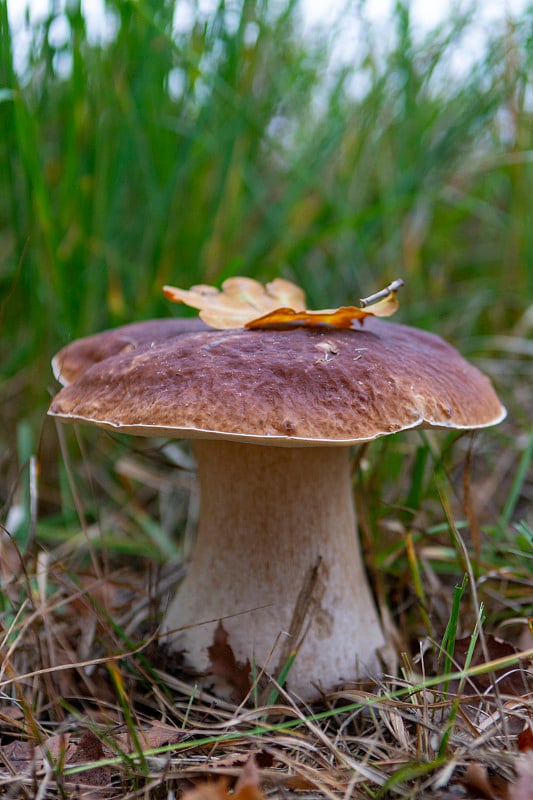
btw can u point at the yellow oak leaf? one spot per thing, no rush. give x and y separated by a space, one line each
239 301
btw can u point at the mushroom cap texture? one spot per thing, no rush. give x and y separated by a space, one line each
73 359
305 386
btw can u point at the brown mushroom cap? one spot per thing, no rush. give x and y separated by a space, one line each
73 359
297 387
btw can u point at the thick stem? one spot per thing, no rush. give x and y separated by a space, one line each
278 561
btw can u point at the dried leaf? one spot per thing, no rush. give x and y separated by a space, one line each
26 755
12 717
261 757
216 790
247 786
244 302
89 749
239 301
478 780
345 317
21 755
299 783
525 740
224 664
510 681
158 734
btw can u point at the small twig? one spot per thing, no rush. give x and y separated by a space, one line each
388 290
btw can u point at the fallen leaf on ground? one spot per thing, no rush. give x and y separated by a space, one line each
24 754
209 790
261 757
225 665
158 734
89 749
488 787
299 783
525 740
12 717
21 754
247 786
509 680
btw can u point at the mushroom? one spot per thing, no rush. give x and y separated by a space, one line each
272 415
73 359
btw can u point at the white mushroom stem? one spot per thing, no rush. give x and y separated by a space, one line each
277 560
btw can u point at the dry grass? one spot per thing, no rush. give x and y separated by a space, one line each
90 706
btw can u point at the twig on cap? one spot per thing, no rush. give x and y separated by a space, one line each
388 290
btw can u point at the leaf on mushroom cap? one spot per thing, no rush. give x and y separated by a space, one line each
280 305
239 301
343 317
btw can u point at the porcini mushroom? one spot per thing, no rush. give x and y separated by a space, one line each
272 415
73 359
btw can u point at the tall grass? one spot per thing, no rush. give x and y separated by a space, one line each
163 156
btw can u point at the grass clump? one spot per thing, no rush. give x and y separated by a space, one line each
232 145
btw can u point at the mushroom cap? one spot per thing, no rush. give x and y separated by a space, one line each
73 359
298 387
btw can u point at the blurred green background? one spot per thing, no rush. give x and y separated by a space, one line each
238 146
